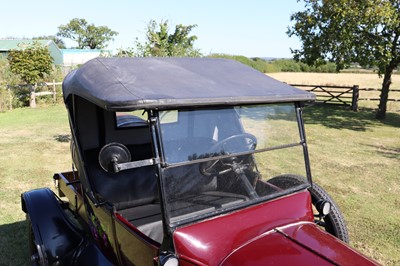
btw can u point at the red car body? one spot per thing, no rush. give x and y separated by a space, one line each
280 232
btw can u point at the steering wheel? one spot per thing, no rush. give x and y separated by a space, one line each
222 166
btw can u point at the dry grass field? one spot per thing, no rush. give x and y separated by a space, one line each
364 80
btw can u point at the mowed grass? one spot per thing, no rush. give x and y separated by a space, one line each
353 156
32 148
356 159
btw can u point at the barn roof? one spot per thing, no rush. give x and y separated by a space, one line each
17 44
6 45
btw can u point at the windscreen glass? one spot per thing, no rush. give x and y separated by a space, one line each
224 158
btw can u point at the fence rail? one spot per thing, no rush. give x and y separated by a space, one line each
344 95
377 99
51 90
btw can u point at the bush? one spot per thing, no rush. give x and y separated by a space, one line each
4 99
256 63
7 97
278 65
290 65
287 65
327 68
18 96
271 68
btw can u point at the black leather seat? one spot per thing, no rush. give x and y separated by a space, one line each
128 188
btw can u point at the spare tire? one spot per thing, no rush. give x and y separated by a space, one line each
332 223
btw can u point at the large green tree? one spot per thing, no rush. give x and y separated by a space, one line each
86 35
161 43
351 31
31 64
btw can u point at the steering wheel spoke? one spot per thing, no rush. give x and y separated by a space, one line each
235 143
234 164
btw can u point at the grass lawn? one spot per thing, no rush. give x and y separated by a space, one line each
356 159
31 150
353 156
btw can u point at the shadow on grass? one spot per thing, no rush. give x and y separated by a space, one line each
14 244
62 138
340 117
388 152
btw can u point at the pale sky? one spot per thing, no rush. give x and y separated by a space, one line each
251 28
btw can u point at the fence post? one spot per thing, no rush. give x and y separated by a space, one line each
354 99
9 97
32 97
54 91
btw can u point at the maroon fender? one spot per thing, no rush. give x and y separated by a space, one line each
272 248
279 232
296 244
323 243
209 242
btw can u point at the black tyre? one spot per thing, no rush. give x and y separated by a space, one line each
35 252
332 223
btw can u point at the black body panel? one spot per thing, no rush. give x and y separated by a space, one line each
61 242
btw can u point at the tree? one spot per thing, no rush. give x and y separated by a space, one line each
86 35
351 31
159 42
60 43
31 63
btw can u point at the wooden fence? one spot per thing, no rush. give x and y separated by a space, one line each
53 91
377 98
343 95
49 90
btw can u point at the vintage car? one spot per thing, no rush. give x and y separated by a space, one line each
185 161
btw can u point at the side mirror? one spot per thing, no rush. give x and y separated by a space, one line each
113 154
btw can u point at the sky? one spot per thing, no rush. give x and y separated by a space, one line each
253 28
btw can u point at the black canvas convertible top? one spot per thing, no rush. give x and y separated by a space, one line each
136 83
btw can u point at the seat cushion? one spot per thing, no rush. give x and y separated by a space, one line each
128 188
147 219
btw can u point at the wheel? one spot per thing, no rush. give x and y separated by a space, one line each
333 222
236 143
35 251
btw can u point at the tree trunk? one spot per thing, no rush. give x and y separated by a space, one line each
387 80
32 97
